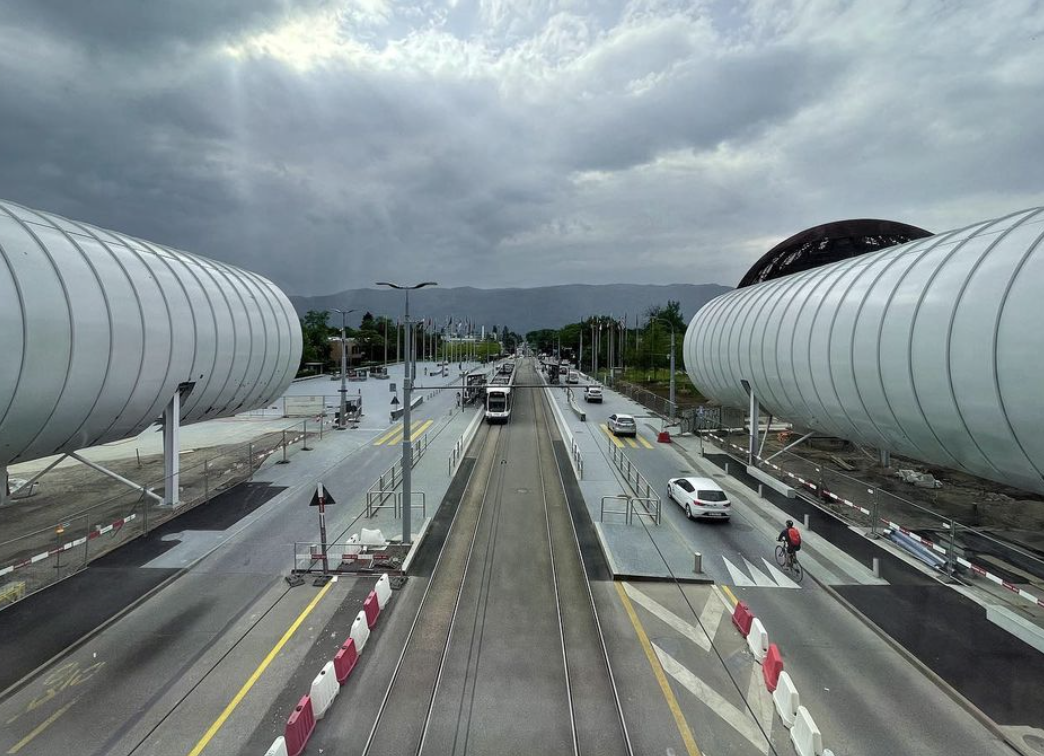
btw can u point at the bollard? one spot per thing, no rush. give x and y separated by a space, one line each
697 562
726 468
284 460
761 491
206 480
250 459
808 518
877 567
304 439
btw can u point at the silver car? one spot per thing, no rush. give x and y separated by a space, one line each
622 425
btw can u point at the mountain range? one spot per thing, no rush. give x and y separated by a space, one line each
521 310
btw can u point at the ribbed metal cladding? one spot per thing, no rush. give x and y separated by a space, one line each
98 330
932 349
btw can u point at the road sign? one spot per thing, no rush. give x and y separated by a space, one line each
394 401
321 497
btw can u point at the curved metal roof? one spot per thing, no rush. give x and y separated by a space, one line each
829 243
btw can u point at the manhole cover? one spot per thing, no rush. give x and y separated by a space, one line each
522 490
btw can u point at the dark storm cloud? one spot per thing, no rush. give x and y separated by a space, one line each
331 144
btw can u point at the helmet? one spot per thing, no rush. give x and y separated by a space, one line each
790 523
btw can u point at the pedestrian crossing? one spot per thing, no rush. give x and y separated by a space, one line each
750 576
395 435
620 442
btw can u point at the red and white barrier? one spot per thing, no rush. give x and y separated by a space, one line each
786 699
757 640
742 617
345 660
771 667
278 747
372 609
360 632
324 690
67 545
384 591
299 727
805 735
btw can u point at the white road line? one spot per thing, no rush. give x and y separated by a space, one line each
760 700
710 617
739 720
665 615
738 578
760 578
783 580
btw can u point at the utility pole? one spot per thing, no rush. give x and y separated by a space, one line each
407 386
341 424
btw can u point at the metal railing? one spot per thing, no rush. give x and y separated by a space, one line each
650 508
653 402
388 482
54 549
637 482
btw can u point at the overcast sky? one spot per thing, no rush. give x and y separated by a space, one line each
331 144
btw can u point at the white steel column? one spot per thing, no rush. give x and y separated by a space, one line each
171 447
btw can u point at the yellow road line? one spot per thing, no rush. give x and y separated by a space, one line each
645 443
665 687
212 731
388 435
41 727
631 442
414 434
729 593
612 438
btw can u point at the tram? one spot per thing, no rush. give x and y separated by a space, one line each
498 404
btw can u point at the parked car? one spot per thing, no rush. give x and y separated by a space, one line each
622 425
699 497
593 394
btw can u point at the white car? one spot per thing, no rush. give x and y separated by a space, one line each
699 497
593 394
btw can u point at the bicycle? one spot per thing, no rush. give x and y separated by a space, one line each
790 562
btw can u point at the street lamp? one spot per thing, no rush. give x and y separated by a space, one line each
673 405
407 385
344 372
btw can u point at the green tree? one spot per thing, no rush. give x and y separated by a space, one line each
315 333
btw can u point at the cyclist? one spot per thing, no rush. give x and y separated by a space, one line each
791 537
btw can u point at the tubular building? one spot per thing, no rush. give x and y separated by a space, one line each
102 333
933 349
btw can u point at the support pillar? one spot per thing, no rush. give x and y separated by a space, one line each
171 447
5 494
886 458
752 443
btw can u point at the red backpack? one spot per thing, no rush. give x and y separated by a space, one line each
794 536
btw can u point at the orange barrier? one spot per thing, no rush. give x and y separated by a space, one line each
742 617
299 727
772 666
345 660
663 437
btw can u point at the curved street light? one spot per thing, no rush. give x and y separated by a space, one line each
344 372
407 385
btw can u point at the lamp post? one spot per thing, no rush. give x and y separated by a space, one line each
407 385
673 405
344 372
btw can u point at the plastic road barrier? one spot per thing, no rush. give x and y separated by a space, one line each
384 591
324 690
786 698
757 640
372 609
360 632
742 617
805 735
299 727
772 666
345 660
278 747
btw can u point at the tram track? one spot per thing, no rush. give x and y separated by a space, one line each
506 653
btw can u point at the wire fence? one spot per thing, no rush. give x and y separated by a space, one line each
62 547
